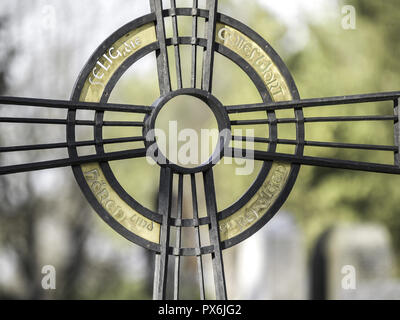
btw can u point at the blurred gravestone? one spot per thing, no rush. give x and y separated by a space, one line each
354 262
271 264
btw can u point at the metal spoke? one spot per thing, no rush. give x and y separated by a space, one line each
208 61
313 161
197 237
194 43
319 144
164 208
178 239
338 119
43 165
313 119
176 44
397 133
66 144
218 265
66 104
75 122
162 53
315 102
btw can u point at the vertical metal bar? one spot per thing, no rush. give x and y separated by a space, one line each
162 54
178 240
198 240
164 208
397 133
208 62
218 265
194 43
176 44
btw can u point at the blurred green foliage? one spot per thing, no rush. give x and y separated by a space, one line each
338 62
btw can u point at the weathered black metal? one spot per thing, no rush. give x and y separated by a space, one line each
163 215
164 208
198 239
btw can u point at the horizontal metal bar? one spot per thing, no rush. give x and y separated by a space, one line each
43 165
319 144
315 102
338 119
249 122
312 119
65 122
66 104
314 161
123 124
45 121
65 144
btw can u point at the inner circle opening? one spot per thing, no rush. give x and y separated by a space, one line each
186 131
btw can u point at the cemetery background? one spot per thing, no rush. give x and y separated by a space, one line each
332 219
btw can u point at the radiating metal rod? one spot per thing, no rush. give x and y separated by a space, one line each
396 112
197 237
177 51
162 54
66 144
178 239
75 122
217 260
313 119
315 102
66 104
319 144
313 161
193 78
208 61
42 165
164 208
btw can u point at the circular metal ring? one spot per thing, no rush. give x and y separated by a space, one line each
270 172
223 126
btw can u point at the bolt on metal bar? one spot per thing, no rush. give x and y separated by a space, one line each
66 104
197 237
175 33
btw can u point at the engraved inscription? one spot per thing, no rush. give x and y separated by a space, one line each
258 206
112 56
99 189
103 70
265 67
255 56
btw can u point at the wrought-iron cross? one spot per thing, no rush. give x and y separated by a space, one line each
235 41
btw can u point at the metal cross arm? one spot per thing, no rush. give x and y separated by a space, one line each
318 161
257 155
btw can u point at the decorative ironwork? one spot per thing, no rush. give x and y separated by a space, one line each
152 230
